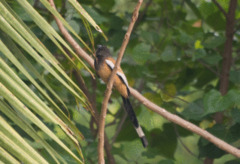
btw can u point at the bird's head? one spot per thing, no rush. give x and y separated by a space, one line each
102 51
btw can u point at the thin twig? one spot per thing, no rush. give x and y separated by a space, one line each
180 140
220 7
119 128
208 67
161 111
110 85
142 14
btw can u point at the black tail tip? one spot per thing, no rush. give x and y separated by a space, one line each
144 141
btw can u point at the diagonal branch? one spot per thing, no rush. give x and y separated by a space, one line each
110 85
209 67
220 7
185 124
70 39
161 111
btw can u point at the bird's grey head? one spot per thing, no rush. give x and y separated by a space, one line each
102 51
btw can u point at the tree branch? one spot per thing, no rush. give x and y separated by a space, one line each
185 124
110 84
227 53
79 50
180 140
70 39
227 56
209 67
220 7
171 117
95 118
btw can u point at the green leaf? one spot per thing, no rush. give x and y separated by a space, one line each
149 124
82 11
207 9
168 92
141 53
194 111
214 41
156 98
236 161
233 97
33 40
128 133
19 141
14 148
132 150
235 76
21 13
25 125
7 158
194 8
94 14
151 37
216 21
167 161
233 134
225 133
169 54
73 30
208 149
198 44
214 102
164 139
13 100
212 58
184 38
236 115
199 54
116 38
106 5
10 31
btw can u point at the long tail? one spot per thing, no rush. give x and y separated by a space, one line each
128 107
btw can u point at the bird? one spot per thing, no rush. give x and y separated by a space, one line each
104 65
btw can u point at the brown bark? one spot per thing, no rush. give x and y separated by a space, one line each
227 54
208 161
227 57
